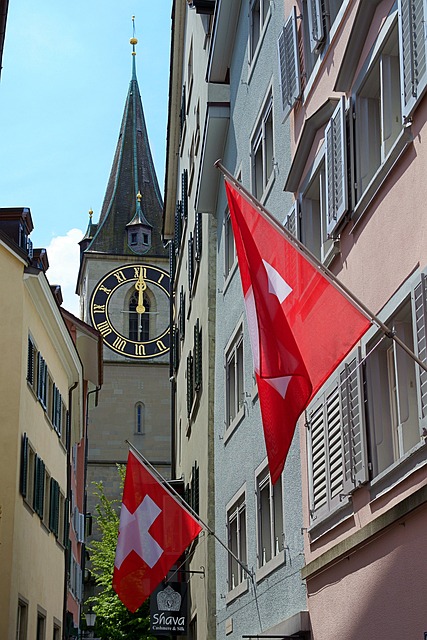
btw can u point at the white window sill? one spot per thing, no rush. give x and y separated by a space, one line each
235 423
270 566
229 277
238 591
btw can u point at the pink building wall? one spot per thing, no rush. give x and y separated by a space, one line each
377 587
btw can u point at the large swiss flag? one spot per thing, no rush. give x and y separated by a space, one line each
155 529
300 325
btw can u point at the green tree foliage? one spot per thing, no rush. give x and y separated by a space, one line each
113 620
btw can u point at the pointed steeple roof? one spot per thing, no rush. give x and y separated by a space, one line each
132 173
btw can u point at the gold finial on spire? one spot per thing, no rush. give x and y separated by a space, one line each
90 213
139 196
133 41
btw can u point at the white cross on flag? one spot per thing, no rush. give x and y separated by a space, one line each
154 532
300 325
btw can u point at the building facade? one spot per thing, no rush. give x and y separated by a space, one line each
42 407
262 523
192 232
355 80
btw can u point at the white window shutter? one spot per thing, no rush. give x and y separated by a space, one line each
291 222
315 24
336 169
412 49
289 69
419 306
353 424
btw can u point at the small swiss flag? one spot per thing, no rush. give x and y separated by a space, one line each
154 532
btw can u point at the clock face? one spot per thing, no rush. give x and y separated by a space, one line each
130 308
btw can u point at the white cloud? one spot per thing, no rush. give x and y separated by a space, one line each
63 254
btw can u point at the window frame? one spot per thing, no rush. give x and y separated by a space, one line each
263 485
260 140
236 509
233 348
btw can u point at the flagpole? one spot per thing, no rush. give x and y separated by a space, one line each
172 491
331 277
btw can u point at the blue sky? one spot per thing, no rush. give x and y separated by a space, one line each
66 71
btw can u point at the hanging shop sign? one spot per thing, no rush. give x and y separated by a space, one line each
168 609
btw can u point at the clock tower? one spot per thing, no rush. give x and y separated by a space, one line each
123 284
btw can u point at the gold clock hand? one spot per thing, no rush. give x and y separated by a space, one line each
140 286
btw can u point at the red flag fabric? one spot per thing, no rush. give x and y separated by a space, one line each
300 325
155 529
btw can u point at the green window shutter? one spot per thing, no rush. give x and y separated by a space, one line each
182 113
198 237
182 313
66 521
178 227
184 194
30 364
24 466
196 487
197 355
172 262
190 262
190 390
54 506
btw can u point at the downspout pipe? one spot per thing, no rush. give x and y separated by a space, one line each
67 548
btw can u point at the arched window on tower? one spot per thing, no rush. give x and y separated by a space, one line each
140 418
139 323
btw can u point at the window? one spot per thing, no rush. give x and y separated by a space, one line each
234 390
270 518
139 323
262 153
191 491
146 239
56 632
22 620
193 629
133 238
377 107
392 393
28 465
236 525
140 418
382 401
41 626
46 503
258 14
229 245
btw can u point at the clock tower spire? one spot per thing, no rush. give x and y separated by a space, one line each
132 173
123 284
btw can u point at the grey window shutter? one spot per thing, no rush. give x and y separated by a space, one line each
353 424
317 456
419 306
326 452
289 68
24 466
336 169
291 222
412 50
315 10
